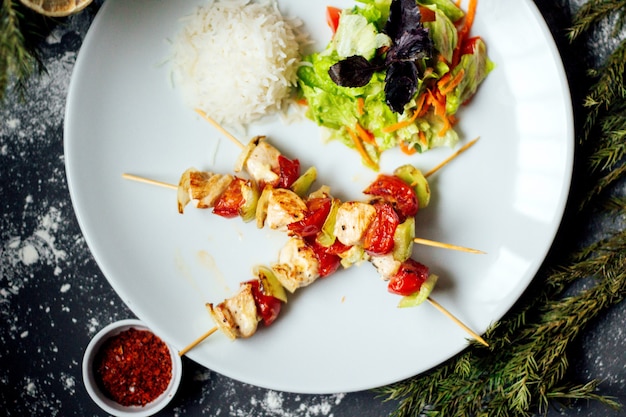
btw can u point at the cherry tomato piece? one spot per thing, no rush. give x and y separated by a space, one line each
289 171
332 18
427 14
409 278
337 248
228 204
268 307
378 239
318 209
469 45
397 192
328 262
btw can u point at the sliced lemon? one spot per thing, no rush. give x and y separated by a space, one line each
56 8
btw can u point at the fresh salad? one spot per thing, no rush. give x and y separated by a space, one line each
394 74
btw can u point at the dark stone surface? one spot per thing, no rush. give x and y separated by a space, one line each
53 297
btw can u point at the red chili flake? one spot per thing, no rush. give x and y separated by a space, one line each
133 367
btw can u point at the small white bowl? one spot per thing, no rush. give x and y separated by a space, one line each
111 406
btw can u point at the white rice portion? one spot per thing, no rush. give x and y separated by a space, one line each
236 60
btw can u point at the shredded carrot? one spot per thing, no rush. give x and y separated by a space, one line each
465 30
419 107
401 124
302 102
469 17
365 135
444 80
438 102
445 128
361 149
450 83
360 106
409 150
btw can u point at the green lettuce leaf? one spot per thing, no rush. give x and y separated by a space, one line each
477 66
443 33
448 7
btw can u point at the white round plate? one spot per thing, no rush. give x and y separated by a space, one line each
505 196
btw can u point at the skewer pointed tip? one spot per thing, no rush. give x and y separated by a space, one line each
451 157
217 126
443 245
458 322
137 178
196 342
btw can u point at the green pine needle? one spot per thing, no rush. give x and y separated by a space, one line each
19 61
523 370
595 11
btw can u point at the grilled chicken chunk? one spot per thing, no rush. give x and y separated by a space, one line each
262 163
201 188
284 207
236 316
386 265
353 219
297 265
204 192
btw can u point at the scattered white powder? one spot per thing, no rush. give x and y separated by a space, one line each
93 325
69 383
35 240
13 124
273 401
30 388
202 375
54 37
28 254
40 246
280 404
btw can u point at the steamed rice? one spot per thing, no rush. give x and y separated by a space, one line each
237 60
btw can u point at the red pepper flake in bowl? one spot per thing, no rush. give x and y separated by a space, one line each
133 367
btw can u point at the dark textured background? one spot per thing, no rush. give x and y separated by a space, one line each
53 297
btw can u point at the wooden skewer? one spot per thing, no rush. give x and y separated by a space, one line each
220 128
137 178
236 141
451 157
457 321
196 342
437 244
418 240
434 303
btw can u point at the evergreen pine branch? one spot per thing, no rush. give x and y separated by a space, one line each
525 368
521 372
615 204
587 391
604 183
18 59
609 89
611 143
596 11
604 127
